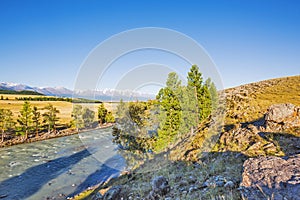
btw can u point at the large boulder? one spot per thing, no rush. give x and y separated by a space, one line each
282 116
271 178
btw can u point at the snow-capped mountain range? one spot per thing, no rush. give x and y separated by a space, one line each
106 94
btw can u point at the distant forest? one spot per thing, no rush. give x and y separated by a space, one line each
25 92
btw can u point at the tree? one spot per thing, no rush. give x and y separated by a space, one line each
109 118
6 122
36 119
25 119
77 117
121 109
50 117
213 93
131 135
88 117
170 111
102 111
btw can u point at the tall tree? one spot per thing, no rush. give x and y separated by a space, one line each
121 109
88 117
25 119
6 122
77 117
50 117
102 111
213 93
170 111
36 119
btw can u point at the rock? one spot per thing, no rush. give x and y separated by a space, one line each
220 183
160 185
115 192
192 189
282 116
183 183
229 184
272 177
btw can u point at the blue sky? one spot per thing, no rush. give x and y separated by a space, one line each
43 42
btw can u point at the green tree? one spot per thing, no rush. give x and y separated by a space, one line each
36 119
77 117
6 122
131 135
50 117
170 111
109 118
121 109
213 93
88 117
102 111
25 119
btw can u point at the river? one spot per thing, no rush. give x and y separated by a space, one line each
60 167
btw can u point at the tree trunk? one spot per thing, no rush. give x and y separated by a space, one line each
36 132
2 138
26 134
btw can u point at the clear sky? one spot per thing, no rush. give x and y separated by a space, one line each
44 42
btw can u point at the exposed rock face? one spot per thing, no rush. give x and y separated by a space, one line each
271 178
282 116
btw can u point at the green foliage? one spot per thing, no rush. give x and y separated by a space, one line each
88 117
131 134
50 117
170 111
36 120
213 93
83 117
121 109
77 117
23 92
102 111
6 122
25 119
109 118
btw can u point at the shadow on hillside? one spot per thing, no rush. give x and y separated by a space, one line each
34 178
101 175
288 143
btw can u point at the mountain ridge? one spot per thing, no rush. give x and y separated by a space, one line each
106 94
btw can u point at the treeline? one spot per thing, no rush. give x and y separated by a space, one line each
33 121
23 92
75 100
152 126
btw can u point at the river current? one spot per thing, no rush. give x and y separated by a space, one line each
59 167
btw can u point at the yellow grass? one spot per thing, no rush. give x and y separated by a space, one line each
65 108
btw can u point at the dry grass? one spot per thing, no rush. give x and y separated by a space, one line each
64 107
260 96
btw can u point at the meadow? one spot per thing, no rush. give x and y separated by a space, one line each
65 108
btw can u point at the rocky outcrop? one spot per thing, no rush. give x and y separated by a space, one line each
271 178
282 116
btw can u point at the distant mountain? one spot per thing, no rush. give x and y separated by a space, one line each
104 95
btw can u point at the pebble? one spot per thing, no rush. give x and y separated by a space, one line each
229 184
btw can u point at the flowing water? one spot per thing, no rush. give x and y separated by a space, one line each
60 167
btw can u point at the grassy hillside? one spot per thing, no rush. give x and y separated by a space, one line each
193 177
249 102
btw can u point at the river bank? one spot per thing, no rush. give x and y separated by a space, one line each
49 135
